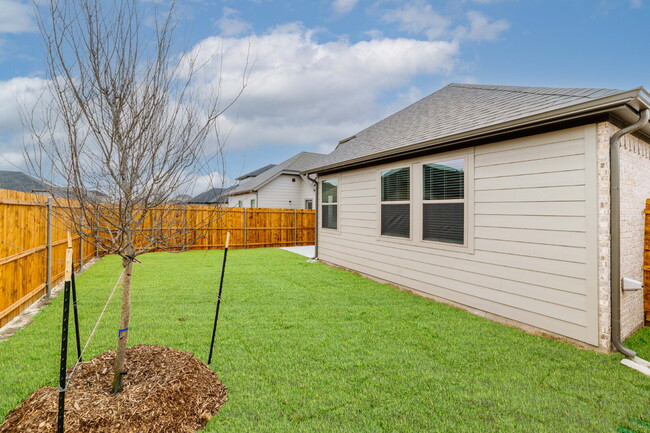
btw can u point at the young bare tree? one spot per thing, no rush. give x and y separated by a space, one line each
122 126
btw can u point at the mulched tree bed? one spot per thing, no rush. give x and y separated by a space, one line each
165 390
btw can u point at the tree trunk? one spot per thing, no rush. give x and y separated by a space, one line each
123 333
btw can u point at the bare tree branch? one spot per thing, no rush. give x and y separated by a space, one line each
123 126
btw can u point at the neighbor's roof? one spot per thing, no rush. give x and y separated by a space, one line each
294 165
213 195
255 172
463 111
19 181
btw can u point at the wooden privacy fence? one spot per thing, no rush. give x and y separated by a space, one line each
205 227
26 256
646 265
25 261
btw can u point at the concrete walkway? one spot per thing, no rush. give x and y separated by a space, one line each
308 251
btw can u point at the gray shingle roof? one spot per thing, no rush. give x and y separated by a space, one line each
255 172
213 195
455 109
19 181
294 165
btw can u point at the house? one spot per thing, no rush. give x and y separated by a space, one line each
213 196
281 186
499 200
19 181
254 173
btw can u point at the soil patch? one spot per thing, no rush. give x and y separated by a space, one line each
165 390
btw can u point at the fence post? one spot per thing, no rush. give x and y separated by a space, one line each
48 283
81 249
295 227
185 228
245 229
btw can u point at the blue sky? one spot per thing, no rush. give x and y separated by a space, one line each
325 69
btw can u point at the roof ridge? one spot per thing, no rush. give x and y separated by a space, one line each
510 89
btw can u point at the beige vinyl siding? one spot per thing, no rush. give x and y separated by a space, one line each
532 202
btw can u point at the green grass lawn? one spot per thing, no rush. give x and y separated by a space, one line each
307 348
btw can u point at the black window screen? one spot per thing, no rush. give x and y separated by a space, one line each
329 216
444 222
330 193
329 200
396 220
396 185
396 217
444 180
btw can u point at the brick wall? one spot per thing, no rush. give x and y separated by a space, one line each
635 189
605 130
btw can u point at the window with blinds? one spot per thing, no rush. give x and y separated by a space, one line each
329 200
396 202
443 201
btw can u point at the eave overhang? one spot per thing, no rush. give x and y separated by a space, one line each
624 106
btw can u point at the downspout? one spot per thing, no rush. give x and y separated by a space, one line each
615 243
315 182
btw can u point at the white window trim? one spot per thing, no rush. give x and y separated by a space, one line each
337 230
409 202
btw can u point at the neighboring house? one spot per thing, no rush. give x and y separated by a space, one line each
281 186
181 199
255 173
497 199
213 197
19 181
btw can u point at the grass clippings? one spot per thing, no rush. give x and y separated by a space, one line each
165 390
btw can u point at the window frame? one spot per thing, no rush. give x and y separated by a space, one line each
337 203
380 202
467 200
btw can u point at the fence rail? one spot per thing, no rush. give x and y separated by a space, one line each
24 239
646 265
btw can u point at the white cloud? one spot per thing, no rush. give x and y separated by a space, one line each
481 28
419 17
231 25
204 182
636 4
21 94
302 92
375 34
16 17
11 161
344 6
14 93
